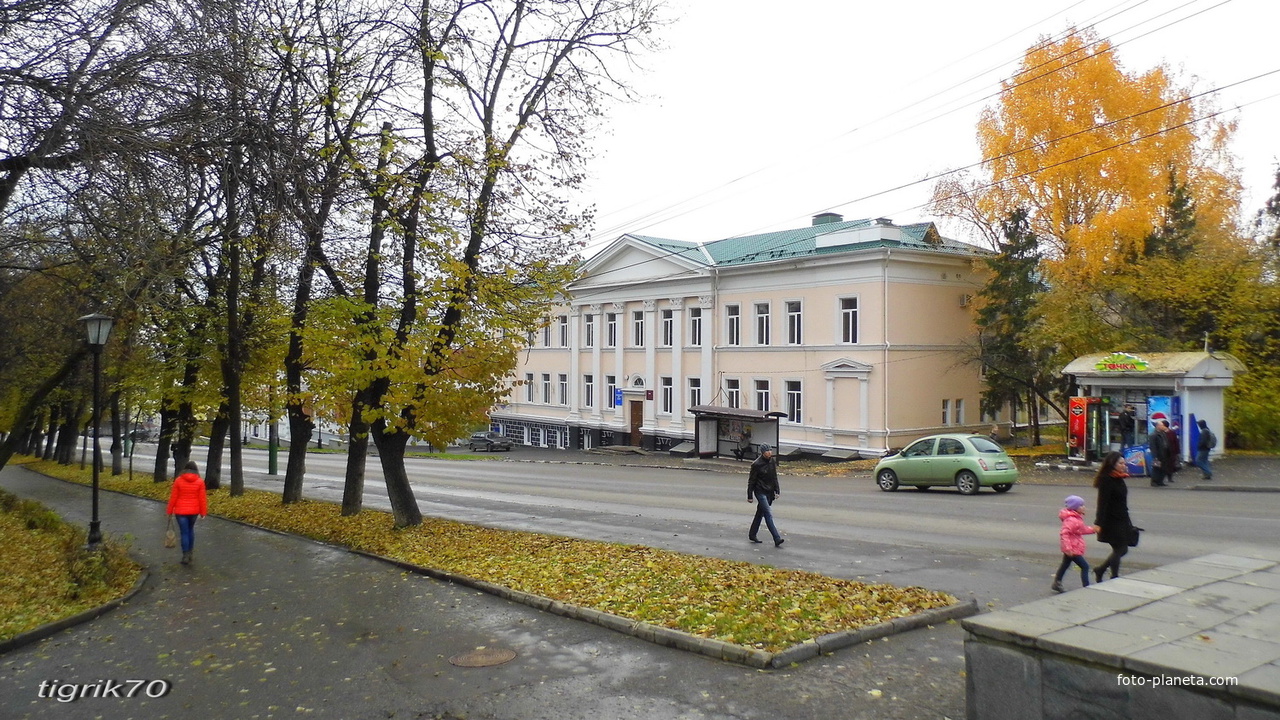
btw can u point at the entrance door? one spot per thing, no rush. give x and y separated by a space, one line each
637 419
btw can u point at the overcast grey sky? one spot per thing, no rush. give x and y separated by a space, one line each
761 114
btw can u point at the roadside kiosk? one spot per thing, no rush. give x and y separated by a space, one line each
1122 395
733 432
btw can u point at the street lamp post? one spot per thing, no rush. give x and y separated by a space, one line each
98 328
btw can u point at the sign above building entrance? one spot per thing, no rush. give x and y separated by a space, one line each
1120 362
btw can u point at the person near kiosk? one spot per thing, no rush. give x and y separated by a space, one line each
1159 441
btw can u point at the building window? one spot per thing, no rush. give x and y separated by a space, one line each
668 394
564 388
546 334
695 326
794 336
564 330
637 328
762 323
695 391
959 411
762 395
546 388
849 320
733 392
528 387
668 328
733 325
611 329
589 327
610 386
793 401
588 391
946 412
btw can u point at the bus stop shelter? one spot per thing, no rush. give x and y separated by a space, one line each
733 432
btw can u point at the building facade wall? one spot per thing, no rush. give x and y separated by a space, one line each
870 345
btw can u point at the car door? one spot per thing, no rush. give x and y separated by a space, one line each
948 460
918 461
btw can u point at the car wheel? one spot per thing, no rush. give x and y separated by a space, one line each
967 483
1002 487
887 480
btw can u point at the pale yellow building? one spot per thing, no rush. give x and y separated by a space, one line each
856 330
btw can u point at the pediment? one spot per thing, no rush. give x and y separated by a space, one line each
629 260
845 366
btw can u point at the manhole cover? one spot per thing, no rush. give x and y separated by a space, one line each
483 657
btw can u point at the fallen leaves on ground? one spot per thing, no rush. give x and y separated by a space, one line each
48 574
756 606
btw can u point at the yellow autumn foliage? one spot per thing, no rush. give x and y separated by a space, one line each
1091 152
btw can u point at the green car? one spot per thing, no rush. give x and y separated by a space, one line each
968 462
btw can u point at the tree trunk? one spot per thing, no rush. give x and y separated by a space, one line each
300 427
217 441
164 448
391 446
117 436
65 451
357 457
49 437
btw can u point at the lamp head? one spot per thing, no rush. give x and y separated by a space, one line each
98 328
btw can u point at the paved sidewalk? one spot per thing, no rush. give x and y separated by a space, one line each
266 625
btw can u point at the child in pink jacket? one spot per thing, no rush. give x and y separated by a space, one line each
1072 540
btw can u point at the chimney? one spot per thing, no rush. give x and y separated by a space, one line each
827 217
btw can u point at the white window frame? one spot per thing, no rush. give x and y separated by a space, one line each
764 322
795 322
637 328
946 411
795 401
695 327
588 390
611 329
589 330
959 411
733 392
733 325
528 387
563 320
763 392
668 392
546 333
610 385
848 321
546 388
668 327
695 392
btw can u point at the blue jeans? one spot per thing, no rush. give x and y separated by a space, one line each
1202 462
763 512
1066 563
187 527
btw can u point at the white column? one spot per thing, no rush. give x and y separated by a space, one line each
575 374
650 364
598 319
708 370
620 309
677 363
831 403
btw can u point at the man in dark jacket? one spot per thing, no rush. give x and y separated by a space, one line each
762 489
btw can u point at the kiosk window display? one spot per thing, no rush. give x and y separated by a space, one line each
1123 395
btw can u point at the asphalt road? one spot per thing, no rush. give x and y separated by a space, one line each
844 527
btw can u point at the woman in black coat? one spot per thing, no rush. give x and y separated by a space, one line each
1113 512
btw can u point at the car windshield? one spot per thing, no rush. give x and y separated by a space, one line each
983 445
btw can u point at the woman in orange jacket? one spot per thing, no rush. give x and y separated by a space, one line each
187 500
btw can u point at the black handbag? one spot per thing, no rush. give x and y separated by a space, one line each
1135 534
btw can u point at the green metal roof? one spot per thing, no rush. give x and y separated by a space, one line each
802 242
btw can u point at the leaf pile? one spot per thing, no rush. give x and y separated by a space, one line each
752 605
48 574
